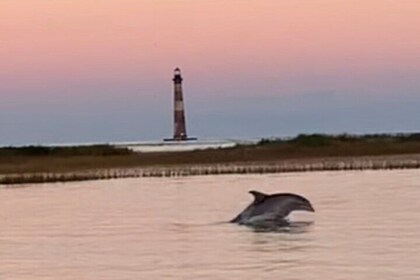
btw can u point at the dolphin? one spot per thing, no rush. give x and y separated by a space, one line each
271 210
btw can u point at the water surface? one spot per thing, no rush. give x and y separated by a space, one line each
367 226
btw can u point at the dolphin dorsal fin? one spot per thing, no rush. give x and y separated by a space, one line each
258 196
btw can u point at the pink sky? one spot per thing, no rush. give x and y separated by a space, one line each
74 49
82 41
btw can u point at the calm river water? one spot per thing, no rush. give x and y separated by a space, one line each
367 226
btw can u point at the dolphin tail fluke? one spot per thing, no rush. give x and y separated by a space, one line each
236 219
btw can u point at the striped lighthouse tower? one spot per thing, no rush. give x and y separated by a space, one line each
180 130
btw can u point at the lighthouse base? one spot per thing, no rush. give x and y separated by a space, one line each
180 140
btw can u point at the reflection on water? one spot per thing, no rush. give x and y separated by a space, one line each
291 228
366 227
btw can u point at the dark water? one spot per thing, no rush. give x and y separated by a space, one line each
367 226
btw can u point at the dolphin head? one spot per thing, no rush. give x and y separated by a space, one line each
298 202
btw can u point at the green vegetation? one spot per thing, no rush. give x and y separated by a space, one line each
37 151
32 160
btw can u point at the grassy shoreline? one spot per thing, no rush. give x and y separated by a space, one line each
298 165
304 153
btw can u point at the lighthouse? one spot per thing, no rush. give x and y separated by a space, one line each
180 129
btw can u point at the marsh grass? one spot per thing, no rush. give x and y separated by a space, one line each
302 153
295 165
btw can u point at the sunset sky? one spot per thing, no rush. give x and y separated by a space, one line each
88 70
